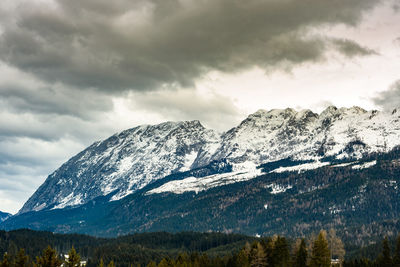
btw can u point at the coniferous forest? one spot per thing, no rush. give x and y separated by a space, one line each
25 248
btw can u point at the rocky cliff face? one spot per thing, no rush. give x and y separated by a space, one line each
134 158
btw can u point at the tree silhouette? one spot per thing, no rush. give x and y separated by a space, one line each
320 252
48 259
73 259
301 255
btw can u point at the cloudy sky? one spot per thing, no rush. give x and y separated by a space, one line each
76 71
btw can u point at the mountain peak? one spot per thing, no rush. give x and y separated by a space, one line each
329 111
353 110
130 160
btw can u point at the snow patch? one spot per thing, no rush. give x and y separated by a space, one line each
276 188
125 165
39 207
244 166
201 184
393 184
302 167
344 164
364 165
70 200
188 161
334 210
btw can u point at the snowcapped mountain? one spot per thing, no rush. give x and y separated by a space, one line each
132 159
277 134
125 162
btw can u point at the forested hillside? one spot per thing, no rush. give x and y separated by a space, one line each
24 248
359 198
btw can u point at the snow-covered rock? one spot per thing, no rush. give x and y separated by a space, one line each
134 158
126 162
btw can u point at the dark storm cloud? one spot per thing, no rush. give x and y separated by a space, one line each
115 45
352 49
389 99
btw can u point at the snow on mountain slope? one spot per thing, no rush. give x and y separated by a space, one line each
136 157
4 216
204 183
301 167
277 134
126 162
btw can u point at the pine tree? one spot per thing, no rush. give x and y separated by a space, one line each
182 260
203 260
320 256
6 261
396 258
301 255
152 264
12 250
48 259
280 254
73 259
166 262
242 259
385 259
258 256
268 245
336 246
21 260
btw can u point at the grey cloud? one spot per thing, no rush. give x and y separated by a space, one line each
389 99
32 145
25 163
85 104
115 45
188 105
53 127
352 49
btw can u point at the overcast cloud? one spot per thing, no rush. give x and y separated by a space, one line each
389 99
140 45
76 71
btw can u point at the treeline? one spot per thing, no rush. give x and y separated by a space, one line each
186 249
275 252
384 259
49 258
272 251
134 249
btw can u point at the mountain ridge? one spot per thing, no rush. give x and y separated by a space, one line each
134 158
